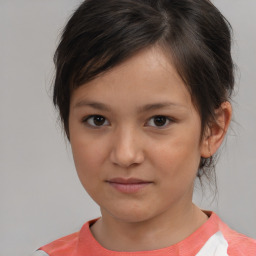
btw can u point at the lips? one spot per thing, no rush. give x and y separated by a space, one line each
131 185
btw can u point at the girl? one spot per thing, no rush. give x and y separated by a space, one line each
143 90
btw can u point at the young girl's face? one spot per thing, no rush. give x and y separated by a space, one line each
135 137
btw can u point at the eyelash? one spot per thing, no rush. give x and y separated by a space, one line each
86 120
168 121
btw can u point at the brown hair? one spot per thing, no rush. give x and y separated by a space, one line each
102 34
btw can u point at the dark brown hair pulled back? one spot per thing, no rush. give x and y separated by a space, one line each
102 34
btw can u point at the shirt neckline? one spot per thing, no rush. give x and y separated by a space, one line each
187 247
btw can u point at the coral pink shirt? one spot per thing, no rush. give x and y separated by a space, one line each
213 238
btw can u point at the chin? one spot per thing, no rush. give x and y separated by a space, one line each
130 215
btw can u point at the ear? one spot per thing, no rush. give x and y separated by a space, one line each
216 131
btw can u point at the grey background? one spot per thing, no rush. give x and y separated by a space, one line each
41 198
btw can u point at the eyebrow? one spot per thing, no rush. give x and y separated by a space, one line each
96 105
145 108
155 106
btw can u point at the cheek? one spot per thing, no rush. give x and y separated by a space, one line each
87 155
176 173
88 159
178 157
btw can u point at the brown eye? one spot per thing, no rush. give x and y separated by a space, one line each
96 121
159 121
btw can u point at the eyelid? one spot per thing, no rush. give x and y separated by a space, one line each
85 121
169 120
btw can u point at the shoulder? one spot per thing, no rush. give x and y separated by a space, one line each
238 244
62 246
69 244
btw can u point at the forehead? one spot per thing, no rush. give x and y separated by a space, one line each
146 77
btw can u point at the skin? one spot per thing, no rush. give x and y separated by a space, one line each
128 142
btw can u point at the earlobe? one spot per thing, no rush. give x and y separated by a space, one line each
215 132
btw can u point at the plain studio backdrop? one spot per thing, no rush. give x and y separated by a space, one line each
41 196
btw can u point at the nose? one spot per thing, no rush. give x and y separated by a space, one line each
126 148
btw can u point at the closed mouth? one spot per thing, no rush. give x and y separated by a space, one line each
130 185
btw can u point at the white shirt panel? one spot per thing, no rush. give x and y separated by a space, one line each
216 245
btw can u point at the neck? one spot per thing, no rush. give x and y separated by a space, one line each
165 230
